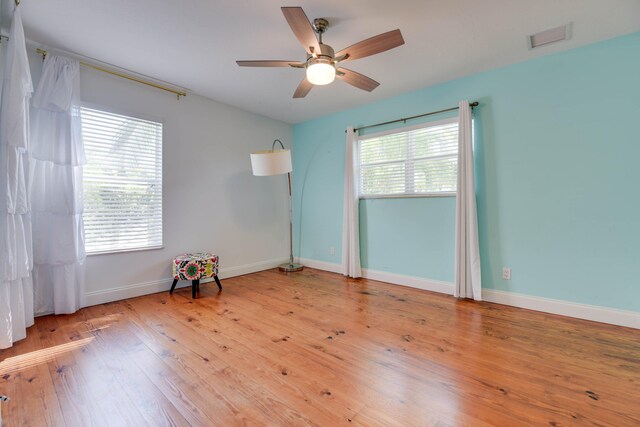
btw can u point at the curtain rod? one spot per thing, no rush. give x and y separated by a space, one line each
178 93
471 104
124 76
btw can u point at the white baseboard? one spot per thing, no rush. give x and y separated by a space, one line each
320 265
129 291
383 276
227 272
146 288
411 281
594 313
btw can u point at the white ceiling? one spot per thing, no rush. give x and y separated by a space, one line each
194 43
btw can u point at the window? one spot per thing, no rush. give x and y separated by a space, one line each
122 182
420 160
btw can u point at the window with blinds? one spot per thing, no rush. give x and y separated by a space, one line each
122 182
420 160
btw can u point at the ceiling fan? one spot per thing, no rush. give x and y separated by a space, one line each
323 64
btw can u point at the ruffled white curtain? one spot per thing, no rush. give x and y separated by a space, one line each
350 219
56 188
16 261
467 262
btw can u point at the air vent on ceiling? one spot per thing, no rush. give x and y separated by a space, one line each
550 36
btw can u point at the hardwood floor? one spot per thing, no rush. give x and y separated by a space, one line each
314 348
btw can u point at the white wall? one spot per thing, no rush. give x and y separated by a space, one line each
211 201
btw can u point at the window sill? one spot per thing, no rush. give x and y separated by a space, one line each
406 196
122 251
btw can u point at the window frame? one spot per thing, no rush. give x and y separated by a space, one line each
404 195
140 116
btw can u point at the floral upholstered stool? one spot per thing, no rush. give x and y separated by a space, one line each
195 267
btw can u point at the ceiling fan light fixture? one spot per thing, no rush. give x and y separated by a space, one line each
323 65
321 71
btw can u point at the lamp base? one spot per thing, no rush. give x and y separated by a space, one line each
290 267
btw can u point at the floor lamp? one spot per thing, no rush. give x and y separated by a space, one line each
277 162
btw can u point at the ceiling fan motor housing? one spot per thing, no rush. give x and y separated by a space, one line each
321 67
326 55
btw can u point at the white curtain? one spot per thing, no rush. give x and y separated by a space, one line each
350 219
56 189
467 262
16 260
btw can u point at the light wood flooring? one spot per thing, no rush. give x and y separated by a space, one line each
314 348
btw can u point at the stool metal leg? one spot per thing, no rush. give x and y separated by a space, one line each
175 281
217 282
194 286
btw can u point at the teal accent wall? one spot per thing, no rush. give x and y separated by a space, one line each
557 176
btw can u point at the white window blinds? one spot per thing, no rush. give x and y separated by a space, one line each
122 182
420 160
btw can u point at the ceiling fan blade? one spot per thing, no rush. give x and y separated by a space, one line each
302 28
303 88
261 63
373 45
356 79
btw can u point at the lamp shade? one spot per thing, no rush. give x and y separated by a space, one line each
271 162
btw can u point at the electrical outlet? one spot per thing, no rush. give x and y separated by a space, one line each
506 273
332 250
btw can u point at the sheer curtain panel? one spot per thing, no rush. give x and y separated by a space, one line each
56 189
467 260
350 219
16 261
